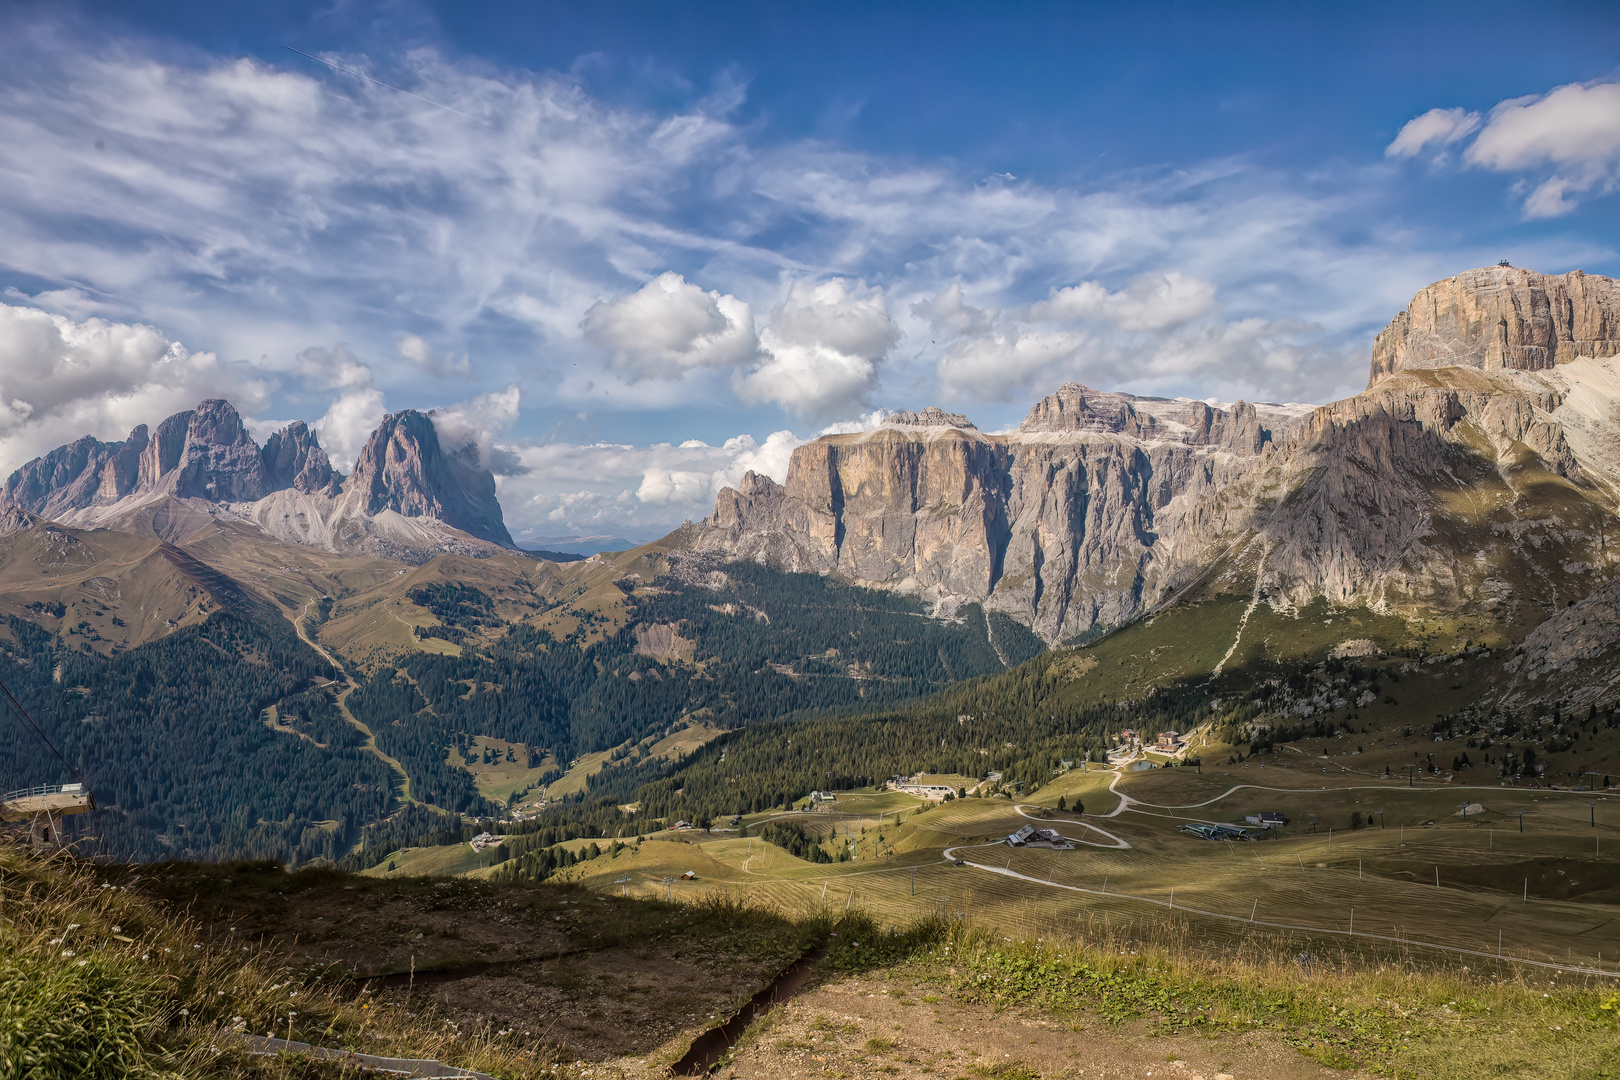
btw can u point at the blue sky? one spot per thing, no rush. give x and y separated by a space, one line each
639 248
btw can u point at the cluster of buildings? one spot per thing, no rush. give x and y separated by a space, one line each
922 786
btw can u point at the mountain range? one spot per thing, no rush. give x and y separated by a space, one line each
408 498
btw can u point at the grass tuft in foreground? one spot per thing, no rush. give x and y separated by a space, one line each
99 982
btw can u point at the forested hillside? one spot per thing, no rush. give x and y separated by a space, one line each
760 646
171 740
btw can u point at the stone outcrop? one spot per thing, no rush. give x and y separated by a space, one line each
1476 477
204 453
1502 317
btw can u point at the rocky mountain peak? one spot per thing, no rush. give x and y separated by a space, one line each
1502 317
1073 407
404 469
293 458
204 453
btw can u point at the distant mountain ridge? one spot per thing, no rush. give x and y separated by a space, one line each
408 497
1477 479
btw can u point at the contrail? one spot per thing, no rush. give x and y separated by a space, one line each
379 82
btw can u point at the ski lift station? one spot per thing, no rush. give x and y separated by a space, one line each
45 806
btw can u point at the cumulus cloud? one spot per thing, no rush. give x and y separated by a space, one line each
419 354
637 491
477 422
670 326
61 379
1437 127
822 348
1570 136
1153 301
250 208
347 423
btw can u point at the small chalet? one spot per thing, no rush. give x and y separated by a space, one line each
823 796
1168 740
690 875
483 840
1266 819
1031 836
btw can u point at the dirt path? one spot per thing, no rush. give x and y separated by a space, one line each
876 1025
349 687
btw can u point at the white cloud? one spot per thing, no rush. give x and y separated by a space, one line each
1437 127
1153 301
669 326
1003 363
1570 135
478 422
250 209
61 379
418 353
334 369
348 423
1572 125
822 348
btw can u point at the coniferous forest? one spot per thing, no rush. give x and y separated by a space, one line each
172 740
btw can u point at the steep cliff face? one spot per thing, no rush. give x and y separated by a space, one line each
404 469
1483 489
1053 524
1502 317
408 498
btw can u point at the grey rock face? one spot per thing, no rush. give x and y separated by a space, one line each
1053 524
293 458
404 469
205 453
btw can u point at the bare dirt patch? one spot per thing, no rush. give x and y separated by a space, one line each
875 1025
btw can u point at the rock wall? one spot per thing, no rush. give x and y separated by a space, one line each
1502 317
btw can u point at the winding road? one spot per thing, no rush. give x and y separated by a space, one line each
349 687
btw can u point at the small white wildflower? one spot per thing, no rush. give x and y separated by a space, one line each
83 962
118 929
185 1012
67 952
